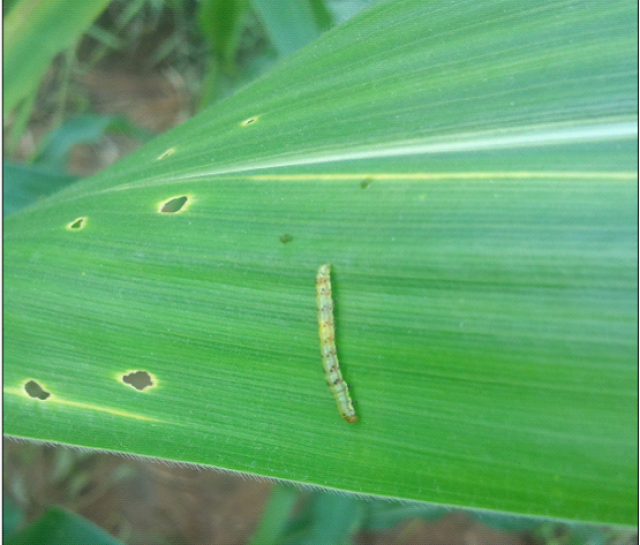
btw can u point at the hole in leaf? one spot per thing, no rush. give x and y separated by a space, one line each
77 224
140 380
33 389
167 153
174 205
286 238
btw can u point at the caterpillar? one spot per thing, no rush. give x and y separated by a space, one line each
326 332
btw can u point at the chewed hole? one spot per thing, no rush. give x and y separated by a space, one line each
33 389
140 380
364 184
174 205
77 224
166 153
286 238
250 121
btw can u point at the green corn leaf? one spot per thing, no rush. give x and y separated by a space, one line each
469 169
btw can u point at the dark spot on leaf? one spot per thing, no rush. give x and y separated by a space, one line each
286 238
364 184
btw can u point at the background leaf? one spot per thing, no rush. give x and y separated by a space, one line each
60 527
31 41
468 168
24 185
292 24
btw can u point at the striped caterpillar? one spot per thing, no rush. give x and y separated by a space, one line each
326 332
